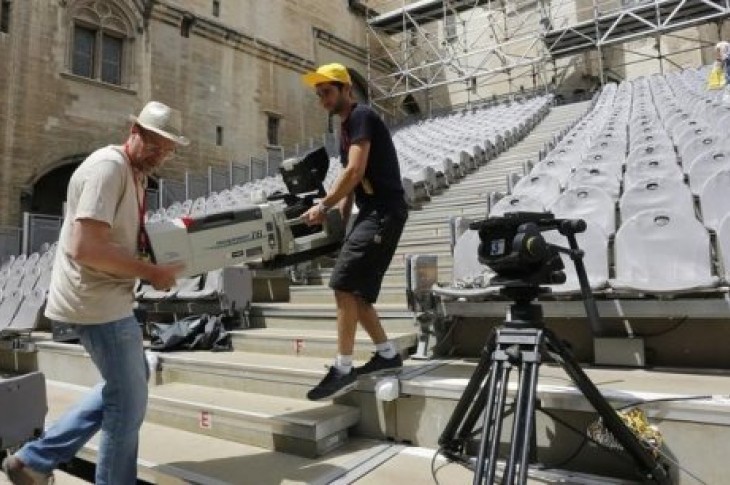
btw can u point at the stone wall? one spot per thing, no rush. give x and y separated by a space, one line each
232 71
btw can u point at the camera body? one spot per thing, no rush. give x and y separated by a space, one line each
515 249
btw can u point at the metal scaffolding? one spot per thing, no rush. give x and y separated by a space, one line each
440 50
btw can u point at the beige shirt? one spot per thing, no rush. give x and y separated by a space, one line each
102 188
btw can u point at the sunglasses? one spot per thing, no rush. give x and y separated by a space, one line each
324 92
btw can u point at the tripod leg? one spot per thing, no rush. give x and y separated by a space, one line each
497 421
517 427
647 463
488 420
461 423
528 430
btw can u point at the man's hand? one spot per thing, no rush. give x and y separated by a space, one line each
163 276
314 216
92 246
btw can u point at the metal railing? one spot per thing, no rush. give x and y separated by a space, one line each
10 241
39 229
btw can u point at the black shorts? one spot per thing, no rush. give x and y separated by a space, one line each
367 252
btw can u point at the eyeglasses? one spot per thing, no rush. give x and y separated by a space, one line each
153 146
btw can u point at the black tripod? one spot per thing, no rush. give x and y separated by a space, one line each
519 343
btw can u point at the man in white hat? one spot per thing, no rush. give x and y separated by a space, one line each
100 255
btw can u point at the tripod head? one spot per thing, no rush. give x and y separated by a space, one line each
513 246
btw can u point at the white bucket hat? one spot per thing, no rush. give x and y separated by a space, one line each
163 120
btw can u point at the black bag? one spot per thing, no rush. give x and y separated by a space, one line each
196 332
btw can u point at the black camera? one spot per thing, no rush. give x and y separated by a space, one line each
515 249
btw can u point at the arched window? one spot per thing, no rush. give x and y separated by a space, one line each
101 41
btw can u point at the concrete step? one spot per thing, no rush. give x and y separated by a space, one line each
413 464
391 294
288 376
446 209
687 406
441 217
293 319
265 374
394 276
442 250
294 426
417 239
439 235
173 456
398 263
311 343
59 478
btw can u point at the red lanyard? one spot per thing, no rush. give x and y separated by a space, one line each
142 240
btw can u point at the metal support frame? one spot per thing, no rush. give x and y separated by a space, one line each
467 46
425 57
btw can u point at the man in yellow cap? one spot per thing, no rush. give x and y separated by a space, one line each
371 178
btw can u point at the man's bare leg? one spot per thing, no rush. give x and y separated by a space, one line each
370 321
386 356
341 377
347 314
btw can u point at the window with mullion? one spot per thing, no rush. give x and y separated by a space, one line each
111 58
84 48
5 16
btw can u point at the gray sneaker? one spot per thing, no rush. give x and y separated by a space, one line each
379 364
333 385
19 474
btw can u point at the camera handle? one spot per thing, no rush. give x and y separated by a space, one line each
589 302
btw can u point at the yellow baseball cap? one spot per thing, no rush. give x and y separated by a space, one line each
327 73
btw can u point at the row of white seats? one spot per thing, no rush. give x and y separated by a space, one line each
655 252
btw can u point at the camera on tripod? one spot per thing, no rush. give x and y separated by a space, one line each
515 249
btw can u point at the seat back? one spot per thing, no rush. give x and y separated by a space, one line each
661 251
595 176
467 270
29 312
663 151
591 204
715 199
9 307
542 187
669 194
723 246
651 167
516 203
557 167
594 243
705 166
698 146
24 404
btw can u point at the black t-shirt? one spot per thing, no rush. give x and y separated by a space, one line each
381 186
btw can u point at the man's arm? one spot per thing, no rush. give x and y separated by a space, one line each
92 246
357 163
345 207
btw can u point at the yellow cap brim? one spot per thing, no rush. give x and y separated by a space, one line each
313 78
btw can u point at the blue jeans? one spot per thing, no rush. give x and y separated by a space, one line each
726 68
116 406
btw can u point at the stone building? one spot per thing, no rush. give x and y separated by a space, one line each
75 69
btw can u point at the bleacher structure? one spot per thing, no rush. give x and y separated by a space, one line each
635 149
473 48
643 163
